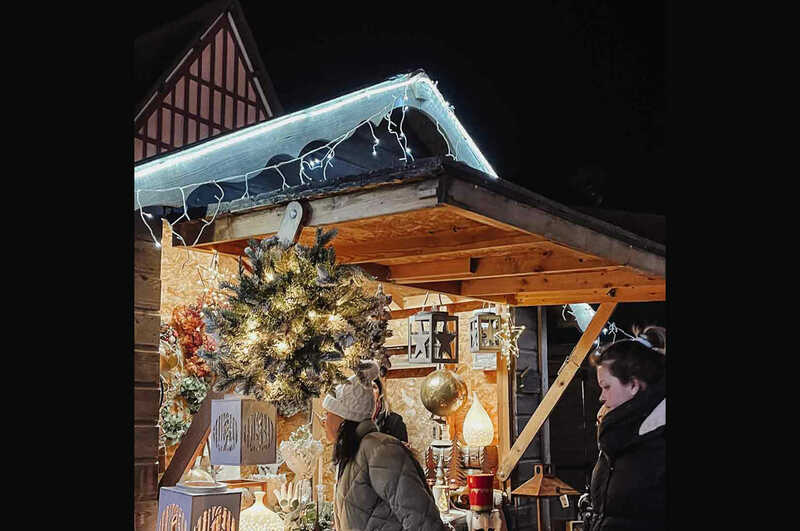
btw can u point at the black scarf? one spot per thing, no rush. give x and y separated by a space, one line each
620 426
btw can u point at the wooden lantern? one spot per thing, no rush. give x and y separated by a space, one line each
433 338
181 510
243 431
483 326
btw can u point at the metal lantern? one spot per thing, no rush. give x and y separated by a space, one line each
243 431
185 510
483 326
433 338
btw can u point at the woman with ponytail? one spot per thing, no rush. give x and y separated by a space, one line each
379 484
628 489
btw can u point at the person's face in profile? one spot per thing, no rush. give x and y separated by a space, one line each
376 392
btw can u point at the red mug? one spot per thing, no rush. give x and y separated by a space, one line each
480 492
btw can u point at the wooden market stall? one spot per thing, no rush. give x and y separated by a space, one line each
443 227
431 225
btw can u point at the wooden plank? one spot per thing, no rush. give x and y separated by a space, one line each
145 442
540 259
145 515
450 308
442 269
145 405
358 205
317 433
145 367
483 205
621 294
427 247
147 290
603 279
145 476
146 327
410 372
568 370
380 272
194 437
504 397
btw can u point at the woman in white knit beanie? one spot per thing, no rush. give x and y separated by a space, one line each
379 483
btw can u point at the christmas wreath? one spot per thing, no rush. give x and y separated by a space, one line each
294 323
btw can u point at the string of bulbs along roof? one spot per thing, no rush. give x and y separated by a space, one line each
312 163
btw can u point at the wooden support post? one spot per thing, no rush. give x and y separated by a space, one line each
563 379
504 397
317 433
191 444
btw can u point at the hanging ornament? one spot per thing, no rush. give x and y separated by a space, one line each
443 392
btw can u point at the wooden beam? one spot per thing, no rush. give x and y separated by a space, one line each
450 308
620 294
409 372
380 272
439 245
193 439
482 205
425 271
504 396
604 279
359 205
568 370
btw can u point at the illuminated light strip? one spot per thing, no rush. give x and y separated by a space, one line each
473 147
259 129
214 144
244 134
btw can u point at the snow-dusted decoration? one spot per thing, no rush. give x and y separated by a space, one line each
300 452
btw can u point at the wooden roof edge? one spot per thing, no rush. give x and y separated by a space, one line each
524 195
416 171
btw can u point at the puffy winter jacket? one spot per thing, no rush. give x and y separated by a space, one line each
392 424
383 487
628 488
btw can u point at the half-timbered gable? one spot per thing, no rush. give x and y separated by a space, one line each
215 85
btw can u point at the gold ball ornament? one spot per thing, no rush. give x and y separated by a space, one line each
443 392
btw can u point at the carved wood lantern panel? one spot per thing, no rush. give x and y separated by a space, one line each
433 338
242 431
182 510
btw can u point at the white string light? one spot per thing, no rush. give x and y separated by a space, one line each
311 164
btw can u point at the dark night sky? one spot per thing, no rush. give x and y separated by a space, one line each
557 97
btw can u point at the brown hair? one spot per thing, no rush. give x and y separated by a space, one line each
631 358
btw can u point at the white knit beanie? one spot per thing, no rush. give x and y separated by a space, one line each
354 399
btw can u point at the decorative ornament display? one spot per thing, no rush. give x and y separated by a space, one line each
441 492
507 336
242 431
290 508
433 337
258 518
185 377
443 392
477 430
483 327
194 391
301 452
291 327
186 510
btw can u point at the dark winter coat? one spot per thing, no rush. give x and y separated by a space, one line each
392 424
628 488
383 487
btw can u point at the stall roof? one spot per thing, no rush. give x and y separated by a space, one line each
169 180
442 226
